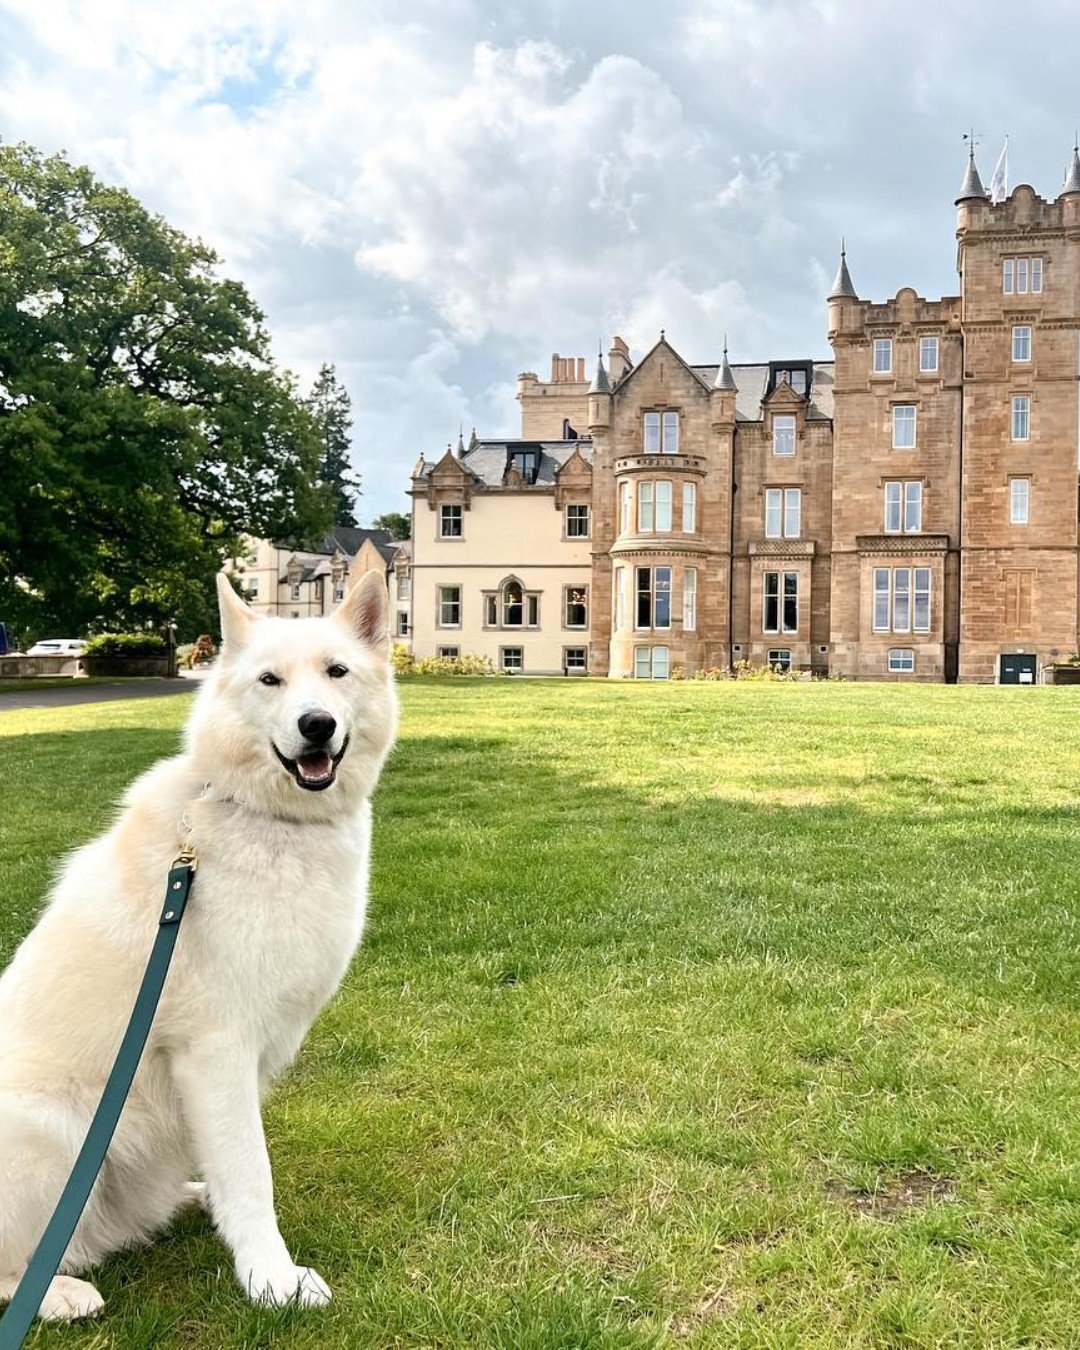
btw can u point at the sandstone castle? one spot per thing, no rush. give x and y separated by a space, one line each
905 510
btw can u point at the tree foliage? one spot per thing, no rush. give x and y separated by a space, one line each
144 427
332 408
396 523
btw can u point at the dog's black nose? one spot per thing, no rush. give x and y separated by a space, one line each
317 727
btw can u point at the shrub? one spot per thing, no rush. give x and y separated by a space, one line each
125 644
745 670
469 663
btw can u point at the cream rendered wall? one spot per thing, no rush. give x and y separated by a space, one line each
267 564
505 533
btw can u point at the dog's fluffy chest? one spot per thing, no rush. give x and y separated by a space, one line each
275 916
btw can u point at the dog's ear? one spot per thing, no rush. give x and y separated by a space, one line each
363 611
236 617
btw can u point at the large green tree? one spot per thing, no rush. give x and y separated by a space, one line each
397 523
330 403
143 424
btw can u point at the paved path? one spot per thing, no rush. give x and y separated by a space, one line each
64 696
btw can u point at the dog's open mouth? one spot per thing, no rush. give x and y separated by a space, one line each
316 769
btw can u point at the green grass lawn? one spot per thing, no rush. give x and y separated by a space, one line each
717 1015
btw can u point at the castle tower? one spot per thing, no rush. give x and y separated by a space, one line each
1019 264
895 483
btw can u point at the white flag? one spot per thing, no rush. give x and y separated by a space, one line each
999 184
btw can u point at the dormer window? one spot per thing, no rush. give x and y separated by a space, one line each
795 374
661 433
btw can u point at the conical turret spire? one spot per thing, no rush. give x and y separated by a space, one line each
460 441
1072 178
601 384
972 185
842 287
724 377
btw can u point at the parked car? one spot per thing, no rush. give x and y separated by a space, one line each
58 647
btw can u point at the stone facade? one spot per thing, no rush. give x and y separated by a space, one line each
285 582
905 510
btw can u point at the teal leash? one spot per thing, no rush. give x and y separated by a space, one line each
21 1311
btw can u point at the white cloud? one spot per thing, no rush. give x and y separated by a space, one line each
436 199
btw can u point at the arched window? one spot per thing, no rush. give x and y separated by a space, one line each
513 605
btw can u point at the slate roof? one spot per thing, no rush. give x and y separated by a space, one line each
842 287
752 381
1072 179
348 539
486 461
972 184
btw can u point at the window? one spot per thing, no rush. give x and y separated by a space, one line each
928 355
1021 417
403 586
661 435
663 507
576 610
780 657
903 426
339 592
653 597
449 522
780 592
650 663
513 605
403 623
902 599
783 513
296 590
1019 275
575 660
882 356
577 522
1019 499
689 600
903 507
619 598
449 606
532 610
644 508
783 434
901 660
252 588
448 653
689 507
624 508
511 660
1021 342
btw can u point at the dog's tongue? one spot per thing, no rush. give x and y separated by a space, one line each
315 766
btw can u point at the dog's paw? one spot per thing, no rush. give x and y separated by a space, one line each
68 1298
286 1284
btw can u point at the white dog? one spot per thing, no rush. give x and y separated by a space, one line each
283 751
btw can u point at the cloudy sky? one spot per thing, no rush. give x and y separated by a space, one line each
436 196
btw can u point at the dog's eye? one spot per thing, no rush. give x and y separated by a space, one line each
337 672
268 678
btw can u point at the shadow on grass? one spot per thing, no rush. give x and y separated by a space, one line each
502 866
